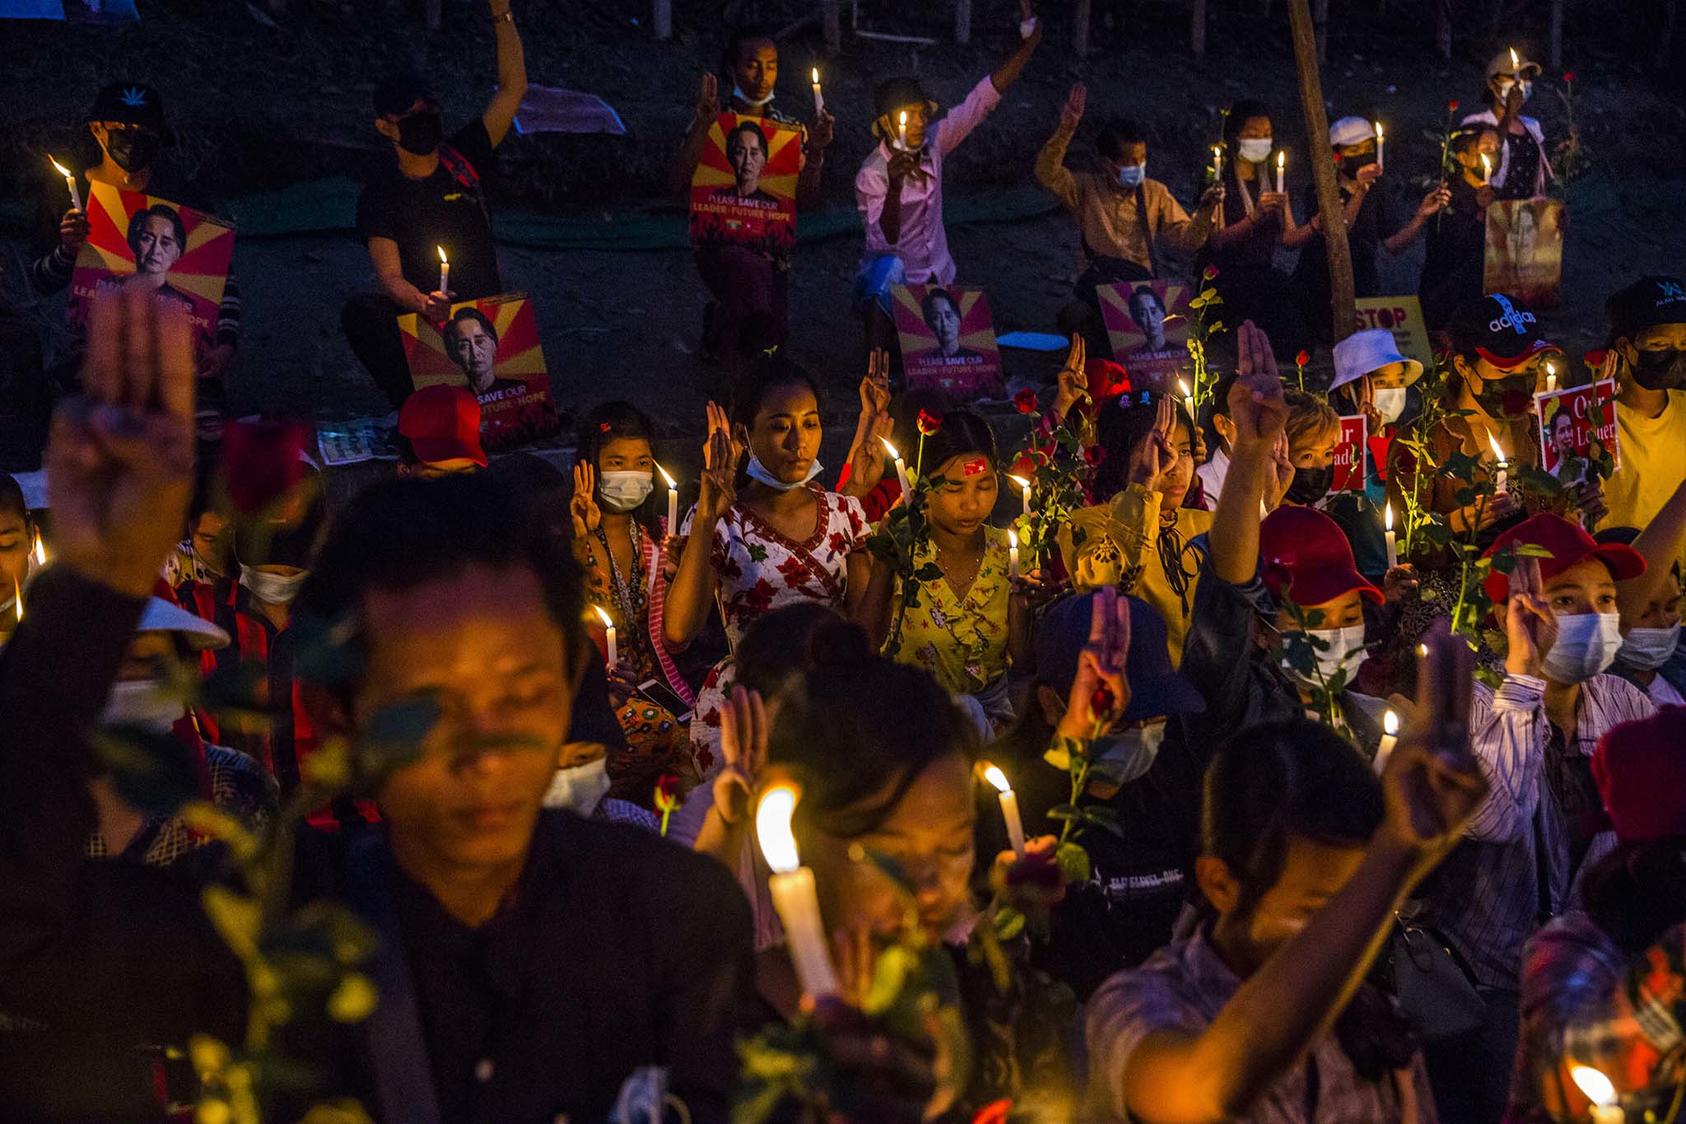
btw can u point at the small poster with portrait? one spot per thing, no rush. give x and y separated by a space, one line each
1577 427
1147 322
137 240
1348 464
1403 316
1525 250
743 192
491 346
948 341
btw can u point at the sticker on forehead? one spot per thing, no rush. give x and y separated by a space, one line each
974 467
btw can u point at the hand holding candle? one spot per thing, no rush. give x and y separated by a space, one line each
793 891
612 656
69 182
1009 808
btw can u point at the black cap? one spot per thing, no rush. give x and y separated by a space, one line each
1646 303
132 103
1156 688
398 92
898 93
1501 329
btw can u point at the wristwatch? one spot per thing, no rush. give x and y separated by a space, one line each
505 16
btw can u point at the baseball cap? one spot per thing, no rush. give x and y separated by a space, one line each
1500 64
1350 131
1156 688
398 92
160 616
1641 776
1646 303
1304 555
132 103
1568 544
443 424
1370 350
1500 329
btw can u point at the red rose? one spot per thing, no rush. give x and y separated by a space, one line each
1025 401
667 791
1302 358
1102 700
1452 106
261 461
1210 273
1023 465
996 1112
1569 76
929 423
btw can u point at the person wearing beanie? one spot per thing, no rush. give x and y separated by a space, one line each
1647 357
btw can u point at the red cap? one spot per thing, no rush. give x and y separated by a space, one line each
1305 555
443 424
1568 544
1640 768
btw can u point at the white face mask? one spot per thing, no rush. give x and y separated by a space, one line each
1134 750
1389 402
1505 85
1344 651
737 92
1586 644
579 788
1649 648
273 589
1256 150
759 473
142 703
1131 175
625 490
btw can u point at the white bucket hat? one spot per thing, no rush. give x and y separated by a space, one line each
1367 351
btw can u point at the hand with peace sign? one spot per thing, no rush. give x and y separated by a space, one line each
1155 458
582 508
1100 692
1073 383
743 743
1256 403
720 467
1530 626
1432 783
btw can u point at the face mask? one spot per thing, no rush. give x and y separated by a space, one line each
1309 486
1256 150
1649 648
1131 175
579 788
1133 752
1503 398
1351 164
133 149
420 133
273 589
1344 652
737 93
624 491
141 703
1660 370
1586 644
758 472
1389 402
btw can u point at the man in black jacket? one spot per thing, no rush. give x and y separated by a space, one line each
531 961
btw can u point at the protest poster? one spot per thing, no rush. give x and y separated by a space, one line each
490 345
1577 427
1403 316
1147 322
743 192
1525 250
135 239
1348 464
948 341
357 440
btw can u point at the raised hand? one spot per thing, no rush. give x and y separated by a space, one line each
1437 200
875 384
823 132
1256 405
73 230
1100 692
120 457
743 743
708 98
583 509
1282 472
1530 627
1071 113
1155 458
1431 783
1073 380
720 466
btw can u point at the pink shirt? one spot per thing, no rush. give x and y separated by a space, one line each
923 246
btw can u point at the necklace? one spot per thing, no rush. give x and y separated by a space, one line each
629 596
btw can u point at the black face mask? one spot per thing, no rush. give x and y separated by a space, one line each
420 133
133 149
1351 164
1310 485
1660 370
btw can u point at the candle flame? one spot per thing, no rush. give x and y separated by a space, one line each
63 171
816 76
40 550
997 778
1486 167
1515 61
1019 480
443 260
665 476
602 616
1422 649
1281 158
772 828
1498 451
17 598
1012 540
1380 136
1387 516
891 449
902 120
1598 1088
1183 386
1390 724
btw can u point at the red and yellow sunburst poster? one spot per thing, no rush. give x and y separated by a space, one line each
136 239
491 346
743 192
948 340
1147 322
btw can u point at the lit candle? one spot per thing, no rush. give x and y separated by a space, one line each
901 129
1387 534
1551 376
1381 142
1009 807
1500 476
819 99
1486 169
1515 61
40 550
1281 168
1606 1109
1390 736
444 271
794 896
1217 162
70 182
608 635
901 469
1188 397
672 502
1012 555
17 598
1024 492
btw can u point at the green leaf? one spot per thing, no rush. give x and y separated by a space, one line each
1009 923
1073 861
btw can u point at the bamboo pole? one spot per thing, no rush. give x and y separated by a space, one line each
1341 302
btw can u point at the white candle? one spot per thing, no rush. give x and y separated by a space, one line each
793 892
70 182
901 129
1217 162
1606 1108
1012 555
1486 170
608 635
1024 492
819 99
1390 737
901 469
1381 141
1551 376
1500 476
1515 62
1188 397
1281 167
672 502
1009 808
444 271
40 550
1387 534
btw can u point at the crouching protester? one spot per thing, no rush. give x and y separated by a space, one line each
529 961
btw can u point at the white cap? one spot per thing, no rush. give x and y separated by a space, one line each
1500 64
161 616
1350 131
1367 351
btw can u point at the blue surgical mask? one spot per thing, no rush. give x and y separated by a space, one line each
1586 644
1131 175
1649 648
625 490
760 474
737 93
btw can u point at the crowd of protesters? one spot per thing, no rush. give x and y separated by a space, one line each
1174 785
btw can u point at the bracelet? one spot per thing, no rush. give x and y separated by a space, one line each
505 16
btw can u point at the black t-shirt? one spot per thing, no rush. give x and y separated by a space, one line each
447 209
1457 247
1378 220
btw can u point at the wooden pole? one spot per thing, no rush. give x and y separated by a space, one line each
1080 32
1197 28
962 21
1341 302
